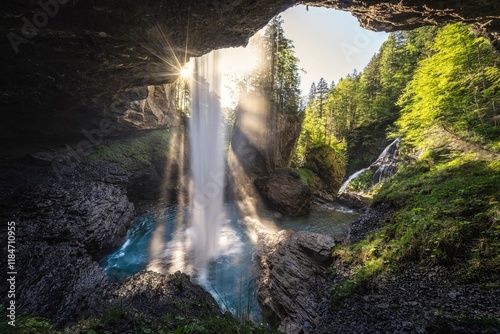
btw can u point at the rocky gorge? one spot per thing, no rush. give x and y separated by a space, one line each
95 73
63 227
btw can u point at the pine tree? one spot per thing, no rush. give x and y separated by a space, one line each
322 92
283 80
312 93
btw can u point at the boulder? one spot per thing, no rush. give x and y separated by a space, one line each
328 170
284 192
155 294
293 278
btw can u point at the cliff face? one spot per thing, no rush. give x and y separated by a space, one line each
411 14
68 65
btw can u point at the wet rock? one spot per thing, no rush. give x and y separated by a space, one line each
156 294
352 200
284 192
293 275
277 215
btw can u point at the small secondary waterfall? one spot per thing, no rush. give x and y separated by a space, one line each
386 162
384 166
352 177
207 157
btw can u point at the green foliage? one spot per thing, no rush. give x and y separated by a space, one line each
306 176
363 280
140 150
314 135
25 324
362 182
363 101
457 87
117 319
278 76
447 202
446 209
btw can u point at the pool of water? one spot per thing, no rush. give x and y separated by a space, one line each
230 277
329 218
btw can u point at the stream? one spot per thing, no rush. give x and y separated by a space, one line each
230 276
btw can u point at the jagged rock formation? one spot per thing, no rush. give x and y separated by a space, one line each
156 295
293 275
60 226
63 226
68 65
284 192
407 15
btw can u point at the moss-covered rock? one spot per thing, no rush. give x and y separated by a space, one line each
329 171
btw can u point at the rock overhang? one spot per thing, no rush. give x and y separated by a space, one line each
64 62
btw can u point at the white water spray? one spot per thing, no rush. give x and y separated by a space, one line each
385 165
207 157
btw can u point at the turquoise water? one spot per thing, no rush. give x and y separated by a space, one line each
330 218
230 276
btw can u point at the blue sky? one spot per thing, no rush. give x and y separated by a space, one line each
329 43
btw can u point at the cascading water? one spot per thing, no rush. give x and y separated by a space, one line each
207 157
352 177
208 239
386 162
384 166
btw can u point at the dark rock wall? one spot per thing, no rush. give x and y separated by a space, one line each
410 14
60 226
263 142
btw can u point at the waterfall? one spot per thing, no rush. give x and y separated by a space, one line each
386 162
384 166
352 177
207 157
